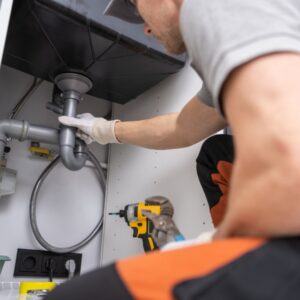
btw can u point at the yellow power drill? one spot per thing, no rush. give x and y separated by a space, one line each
141 225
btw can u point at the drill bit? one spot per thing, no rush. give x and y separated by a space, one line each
121 213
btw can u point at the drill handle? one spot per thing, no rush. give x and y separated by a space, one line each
148 243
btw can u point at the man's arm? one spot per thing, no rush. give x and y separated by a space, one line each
262 105
194 123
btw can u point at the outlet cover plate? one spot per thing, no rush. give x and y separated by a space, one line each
34 263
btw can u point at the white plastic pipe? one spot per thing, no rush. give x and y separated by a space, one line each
5 12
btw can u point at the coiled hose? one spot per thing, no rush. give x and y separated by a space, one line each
33 204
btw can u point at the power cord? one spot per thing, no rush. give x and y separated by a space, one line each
51 268
34 86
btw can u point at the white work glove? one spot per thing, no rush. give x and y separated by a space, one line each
91 129
203 238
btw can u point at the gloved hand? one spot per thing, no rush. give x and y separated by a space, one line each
165 230
91 129
203 238
165 205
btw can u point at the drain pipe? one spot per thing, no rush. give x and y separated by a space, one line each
72 157
23 130
73 153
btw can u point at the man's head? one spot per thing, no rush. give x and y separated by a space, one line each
161 19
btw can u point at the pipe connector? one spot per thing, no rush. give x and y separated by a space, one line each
23 130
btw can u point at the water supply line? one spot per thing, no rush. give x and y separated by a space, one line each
33 205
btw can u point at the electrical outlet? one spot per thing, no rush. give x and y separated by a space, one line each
35 263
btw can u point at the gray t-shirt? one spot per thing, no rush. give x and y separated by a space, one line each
221 35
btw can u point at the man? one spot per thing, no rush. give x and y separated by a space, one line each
247 53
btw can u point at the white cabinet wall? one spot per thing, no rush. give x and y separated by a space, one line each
5 11
136 173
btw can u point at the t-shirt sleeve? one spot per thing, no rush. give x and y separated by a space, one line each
205 96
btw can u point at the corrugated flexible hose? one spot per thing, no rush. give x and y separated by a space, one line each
33 205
